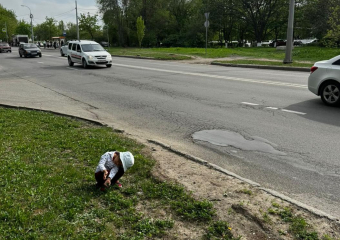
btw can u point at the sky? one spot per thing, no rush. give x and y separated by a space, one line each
58 9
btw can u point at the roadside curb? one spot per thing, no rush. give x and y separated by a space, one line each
299 69
310 209
136 57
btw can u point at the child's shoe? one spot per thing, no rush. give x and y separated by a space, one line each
119 184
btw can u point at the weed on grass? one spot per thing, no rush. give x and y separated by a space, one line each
298 226
219 230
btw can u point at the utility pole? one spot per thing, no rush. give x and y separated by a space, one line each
6 31
290 31
77 21
31 16
206 24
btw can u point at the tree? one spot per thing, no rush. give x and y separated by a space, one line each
332 38
259 13
88 24
140 30
7 18
23 28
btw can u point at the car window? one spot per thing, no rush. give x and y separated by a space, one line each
70 46
92 47
78 48
336 62
74 47
27 46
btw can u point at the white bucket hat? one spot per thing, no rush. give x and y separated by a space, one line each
127 160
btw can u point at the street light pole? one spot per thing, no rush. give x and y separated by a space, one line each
290 31
77 21
31 16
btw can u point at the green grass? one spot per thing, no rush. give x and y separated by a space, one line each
220 230
298 227
48 188
267 63
305 53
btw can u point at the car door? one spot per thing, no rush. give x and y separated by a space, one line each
74 53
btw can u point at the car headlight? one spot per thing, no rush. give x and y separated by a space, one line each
28 51
90 57
108 57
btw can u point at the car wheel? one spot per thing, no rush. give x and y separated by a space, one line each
84 64
39 55
70 63
25 55
109 65
20 55
330 93
61 53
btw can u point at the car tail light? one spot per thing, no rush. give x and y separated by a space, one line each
313 69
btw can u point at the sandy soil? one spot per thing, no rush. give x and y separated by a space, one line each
244 211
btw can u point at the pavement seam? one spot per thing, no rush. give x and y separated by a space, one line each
300 69
200 161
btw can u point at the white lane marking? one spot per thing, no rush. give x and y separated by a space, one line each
48 55
63 57
215 76
252 104
40 62
290 111
273 108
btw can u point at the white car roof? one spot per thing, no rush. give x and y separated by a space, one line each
334 59
84 42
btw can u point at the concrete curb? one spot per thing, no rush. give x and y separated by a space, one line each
310 209
200 161
299 69
136 57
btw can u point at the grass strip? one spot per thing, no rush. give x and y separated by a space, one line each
48 188
303 53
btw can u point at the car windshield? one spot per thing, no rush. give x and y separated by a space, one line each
92 47
26 46
4 44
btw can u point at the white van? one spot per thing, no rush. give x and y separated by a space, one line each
87 53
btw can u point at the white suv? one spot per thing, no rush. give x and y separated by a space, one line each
87 53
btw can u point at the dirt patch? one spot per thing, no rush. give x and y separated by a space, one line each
245 207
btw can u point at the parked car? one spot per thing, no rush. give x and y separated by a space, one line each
104 44
277 43
87 53
324 80
29 50
63 49
5 47
297 42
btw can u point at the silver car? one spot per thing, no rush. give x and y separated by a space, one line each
324 80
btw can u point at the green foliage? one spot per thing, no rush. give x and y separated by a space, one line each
7 18
140 30
332 38
298 225
89 26
23 28
47 30
152 228
219 230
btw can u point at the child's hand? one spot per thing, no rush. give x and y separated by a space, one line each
107 182
105 174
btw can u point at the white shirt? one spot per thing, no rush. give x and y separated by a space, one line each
106 163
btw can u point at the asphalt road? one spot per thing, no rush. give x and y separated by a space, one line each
278 133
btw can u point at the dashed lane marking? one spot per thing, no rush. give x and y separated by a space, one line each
71 68
290 111
275 108
251 104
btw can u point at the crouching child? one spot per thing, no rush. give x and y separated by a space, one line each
111 168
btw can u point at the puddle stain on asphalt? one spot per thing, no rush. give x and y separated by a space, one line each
226 138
